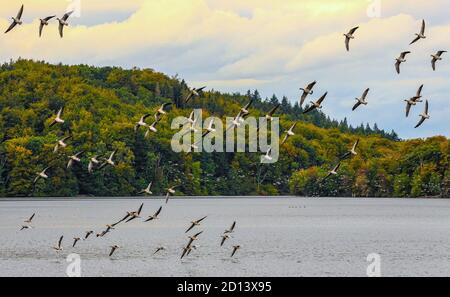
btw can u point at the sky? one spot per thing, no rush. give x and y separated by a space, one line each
274 46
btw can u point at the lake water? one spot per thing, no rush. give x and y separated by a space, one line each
278 236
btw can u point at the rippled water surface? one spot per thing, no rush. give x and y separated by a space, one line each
278 236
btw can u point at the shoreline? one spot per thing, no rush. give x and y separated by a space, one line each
103 198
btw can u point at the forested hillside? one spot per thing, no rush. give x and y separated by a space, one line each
101 106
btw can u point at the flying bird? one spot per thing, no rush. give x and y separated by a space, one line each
420 35
16 20
195 92
44 22
349 36
334 171
317 104
435 58
193 238
401 59
42 174
58 246
93 161
75 240
58 119
161 248
155 216
423 116
151 128
162 110
209 129
195 223
413 100
269 116
147 190
289 133
74 159
170 191
61 143
361 100
246 109
224 238
235 249
231 230
113 249
131 214
24 227
109 161
352 152
88 233
268 155
141 122
30 219
308 90
63 22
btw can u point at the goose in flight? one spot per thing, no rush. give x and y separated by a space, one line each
141 122
87 234
352 152
16 20
423 116
401 59
231 230
44 22
155 216
333 171
195 92
75 240
308 90
58 119
151 128
413 100
63 22
246 109
113 249
235 249
193 238
158 249
268 154
58 246
420 35
131 214
74 159
30 219
289 133
162 110
435 58
361 100
24 227
186 251
224 238
209 129
269 116
61 143
317 104
42 174
170 191
349 36
93 161
147 190
195 223
109 161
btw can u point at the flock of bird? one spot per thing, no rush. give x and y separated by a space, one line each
97 162
62 22
135 214
398 61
